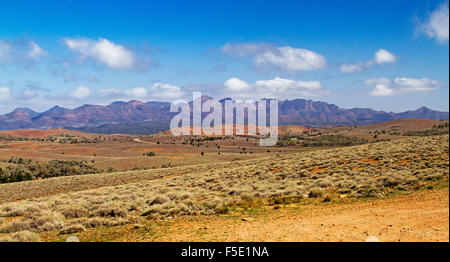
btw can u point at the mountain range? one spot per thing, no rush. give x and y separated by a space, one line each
136 117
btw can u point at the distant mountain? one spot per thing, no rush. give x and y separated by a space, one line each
318 114
17 119
136 117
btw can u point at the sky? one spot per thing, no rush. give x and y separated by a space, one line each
385 55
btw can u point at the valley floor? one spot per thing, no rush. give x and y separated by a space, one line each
393 190
420 216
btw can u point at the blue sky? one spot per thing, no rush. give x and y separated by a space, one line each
386 55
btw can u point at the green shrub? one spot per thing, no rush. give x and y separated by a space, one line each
149 154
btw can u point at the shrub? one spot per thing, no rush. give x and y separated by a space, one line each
74 211
158 200
333 140
369 192
344 191
110 210
27 170
22 236
315 192
38 222
75 228
391 181
222 210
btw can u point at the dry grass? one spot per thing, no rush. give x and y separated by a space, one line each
400 165
22 236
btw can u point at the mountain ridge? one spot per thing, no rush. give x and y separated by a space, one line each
137 117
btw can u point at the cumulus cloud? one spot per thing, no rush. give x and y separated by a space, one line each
5 93
291 59
36 51
136 93
274 88
166 91
382 56
403 85
437 24
80 92
286 58
236 84
103 51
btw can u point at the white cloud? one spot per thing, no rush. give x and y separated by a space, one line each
159 91
103 51
36 51
403 85
383 87
136 93
245 49
274 88
282 85
80 92
291 59
286 58
235 84
382 56
166 91
5 94
437 24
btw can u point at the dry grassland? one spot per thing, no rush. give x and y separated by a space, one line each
364 171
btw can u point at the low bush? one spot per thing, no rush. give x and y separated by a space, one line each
333 140
315 192
54 168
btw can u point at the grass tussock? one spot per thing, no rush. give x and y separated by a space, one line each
22 236
370 170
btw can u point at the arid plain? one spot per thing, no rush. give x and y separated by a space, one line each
388 180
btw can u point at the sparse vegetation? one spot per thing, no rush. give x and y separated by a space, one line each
371 170
149 154
436 130
25 169
333 140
